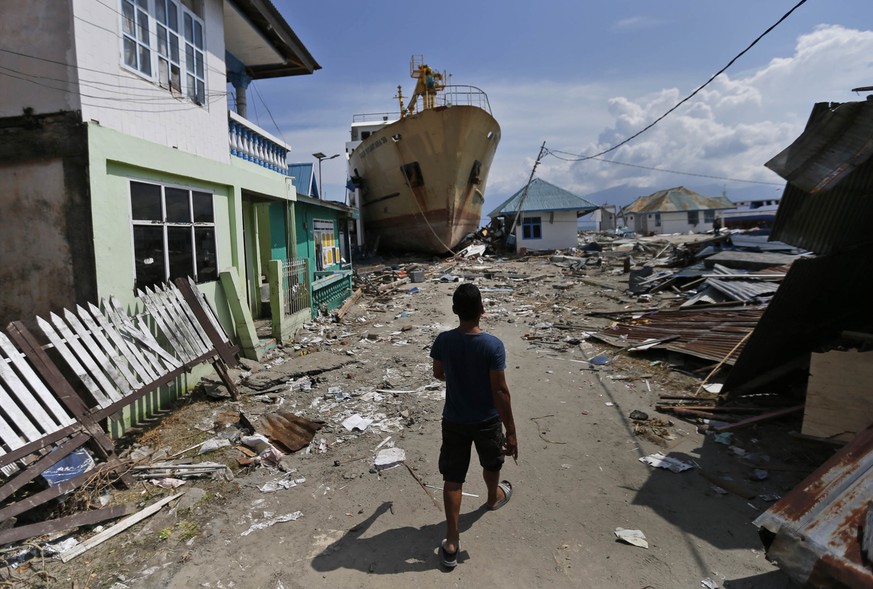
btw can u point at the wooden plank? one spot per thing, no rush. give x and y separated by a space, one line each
139 331
115 354
156 312
182 304
349 303
117 528
85 518
90 345
40 444
9 437
71 361
128 350
207 320
48 400
758 419
49 494
38 467
177 307
25 399
17 417
838 400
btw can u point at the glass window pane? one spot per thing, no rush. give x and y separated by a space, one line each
201 98
189 57
174 48
179 248
162 40
178 206
161 11
143 20
175 79
198 35
199 62
129 52
145 60
203 208
173 19
127 20
192 90
145 202
148 247
189 25
207 263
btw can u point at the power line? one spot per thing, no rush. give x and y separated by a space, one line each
690 96
278 130
554 153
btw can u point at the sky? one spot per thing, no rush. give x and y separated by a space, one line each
582 77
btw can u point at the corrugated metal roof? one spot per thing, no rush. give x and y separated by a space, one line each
837 139
707 334
541 197
839 214
814 533
817 299
677 199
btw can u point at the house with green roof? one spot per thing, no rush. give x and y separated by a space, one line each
675 210
543 216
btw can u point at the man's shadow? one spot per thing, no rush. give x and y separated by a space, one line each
399 550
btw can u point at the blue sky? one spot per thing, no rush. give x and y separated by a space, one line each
582 76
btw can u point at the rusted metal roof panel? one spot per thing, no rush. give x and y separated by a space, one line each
815 532
707 334
837 139
817 299
677 199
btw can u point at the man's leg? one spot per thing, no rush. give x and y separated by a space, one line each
492 479
452 499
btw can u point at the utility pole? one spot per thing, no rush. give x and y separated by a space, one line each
529 180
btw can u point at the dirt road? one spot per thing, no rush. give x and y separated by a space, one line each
578 476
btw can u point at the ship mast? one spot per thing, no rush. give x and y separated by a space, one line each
428 84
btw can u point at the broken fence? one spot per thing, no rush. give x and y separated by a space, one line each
96 361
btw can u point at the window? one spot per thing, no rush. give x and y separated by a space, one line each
135 35
657 219
326 250
532 228
173 234
693 217
169 68
708 216
153 34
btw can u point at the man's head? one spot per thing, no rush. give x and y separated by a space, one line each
467 302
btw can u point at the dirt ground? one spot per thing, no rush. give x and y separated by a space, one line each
578 476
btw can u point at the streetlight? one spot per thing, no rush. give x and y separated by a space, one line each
321 157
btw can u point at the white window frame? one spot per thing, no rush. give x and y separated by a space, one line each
190 58
164 224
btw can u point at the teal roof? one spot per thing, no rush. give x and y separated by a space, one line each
543 197
676 199
304 176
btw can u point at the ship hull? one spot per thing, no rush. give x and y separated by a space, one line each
422 178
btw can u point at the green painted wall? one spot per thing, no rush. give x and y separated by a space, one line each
115 159
278 231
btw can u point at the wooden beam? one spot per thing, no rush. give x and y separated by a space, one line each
117 528
65 523
759 418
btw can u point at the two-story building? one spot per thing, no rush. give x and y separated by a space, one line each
126 158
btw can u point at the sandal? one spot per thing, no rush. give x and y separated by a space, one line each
449 559
506 487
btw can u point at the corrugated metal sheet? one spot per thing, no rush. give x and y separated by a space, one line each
837 139
707 334
828 204
676 199
743 290
542 196
814 533
817 299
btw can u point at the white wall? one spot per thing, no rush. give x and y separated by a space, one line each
122 100
41 31
558 231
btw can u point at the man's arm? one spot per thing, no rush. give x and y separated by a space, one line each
503 403
439 371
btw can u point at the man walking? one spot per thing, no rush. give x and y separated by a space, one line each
477 409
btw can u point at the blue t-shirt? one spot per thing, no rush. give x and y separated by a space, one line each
468 359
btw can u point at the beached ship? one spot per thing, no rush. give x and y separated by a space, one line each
418 176
751 213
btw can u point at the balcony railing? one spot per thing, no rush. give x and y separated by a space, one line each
253 144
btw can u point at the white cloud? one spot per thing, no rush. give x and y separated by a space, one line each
729 129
